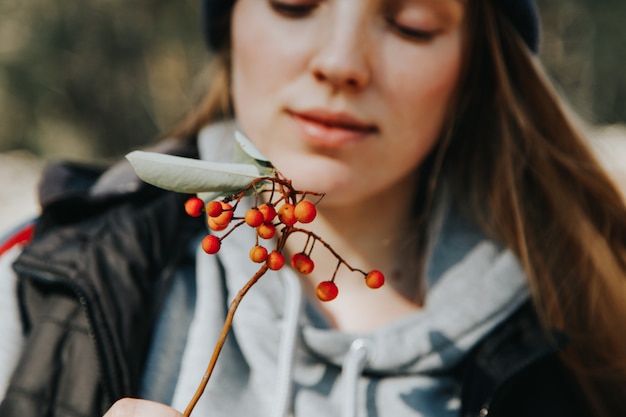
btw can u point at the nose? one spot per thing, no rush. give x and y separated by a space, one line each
342 59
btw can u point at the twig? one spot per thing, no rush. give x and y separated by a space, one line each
222 339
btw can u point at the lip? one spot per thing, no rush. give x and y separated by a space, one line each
329 129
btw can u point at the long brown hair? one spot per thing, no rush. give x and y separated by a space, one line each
516 158
214 105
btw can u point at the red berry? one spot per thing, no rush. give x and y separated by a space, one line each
266 230
225 216
305 211
269 212
374 279
327 291
258 254
286 214
254 217
211 244
193 206
302 263
214 226
214 208
275 260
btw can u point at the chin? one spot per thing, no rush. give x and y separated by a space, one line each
319 175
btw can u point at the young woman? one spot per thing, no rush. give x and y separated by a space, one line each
447 162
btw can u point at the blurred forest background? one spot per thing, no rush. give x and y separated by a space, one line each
93 79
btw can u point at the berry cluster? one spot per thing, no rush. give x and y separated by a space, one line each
279 217
270 222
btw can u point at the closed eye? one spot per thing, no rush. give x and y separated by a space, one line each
294 10
412 34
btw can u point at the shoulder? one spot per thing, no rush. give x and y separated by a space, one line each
70 192
516 372
11 246
78 201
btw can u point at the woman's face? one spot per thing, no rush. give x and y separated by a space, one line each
345 97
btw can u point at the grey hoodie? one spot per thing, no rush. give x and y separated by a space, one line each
282 359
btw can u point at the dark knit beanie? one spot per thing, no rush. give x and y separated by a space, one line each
525 18
522 13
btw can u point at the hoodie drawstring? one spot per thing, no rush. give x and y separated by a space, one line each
287 347
353 365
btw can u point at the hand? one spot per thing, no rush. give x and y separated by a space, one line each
130 407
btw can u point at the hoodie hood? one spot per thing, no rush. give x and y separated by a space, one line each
473 284
409 366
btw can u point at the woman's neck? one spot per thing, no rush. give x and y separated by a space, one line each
375 234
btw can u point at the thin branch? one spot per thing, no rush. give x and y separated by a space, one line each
222 339
291 229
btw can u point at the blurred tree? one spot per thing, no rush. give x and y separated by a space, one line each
584 50
94 78
609 56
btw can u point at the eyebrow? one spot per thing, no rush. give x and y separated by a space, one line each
429 1
438 4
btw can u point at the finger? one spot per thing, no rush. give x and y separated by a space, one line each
130 407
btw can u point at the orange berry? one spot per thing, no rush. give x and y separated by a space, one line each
374 279
269 212
214 226
254 217
305 211
302 263
286 214
266 230
275 260
214 208
194 206
327 291
211 244
258 254
225 216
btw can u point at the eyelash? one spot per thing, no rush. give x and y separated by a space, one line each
293 10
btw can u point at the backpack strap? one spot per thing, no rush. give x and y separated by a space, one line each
20 235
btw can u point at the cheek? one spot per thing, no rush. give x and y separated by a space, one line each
252 54
421 90
262 69
250 87
266 51
423 85
247 67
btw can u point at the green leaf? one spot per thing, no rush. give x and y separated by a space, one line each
187 175
250 149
